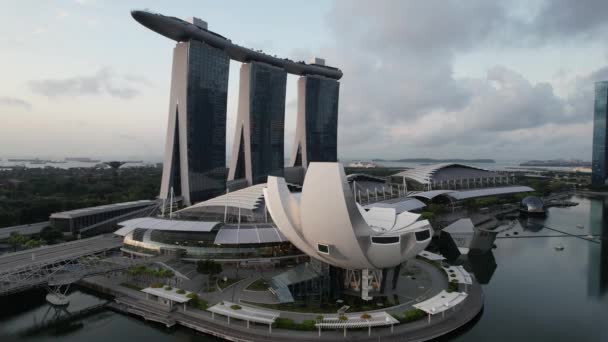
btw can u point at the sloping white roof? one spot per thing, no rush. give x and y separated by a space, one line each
416 226
441 302
431 194
424 174
249 198
354 321
233 235
154 223
246 313
167 294
383 218
461 195
400 204
462 276
101 209
405 219
475 193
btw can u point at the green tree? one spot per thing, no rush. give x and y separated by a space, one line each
16 240
209 268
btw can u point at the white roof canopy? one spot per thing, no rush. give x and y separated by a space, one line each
249 198
354 321
461 195
441 302
246 313
462 276
154 223
101 209
168 294
427 173
248 235
466 194
431 256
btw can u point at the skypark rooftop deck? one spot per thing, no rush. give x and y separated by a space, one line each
180 30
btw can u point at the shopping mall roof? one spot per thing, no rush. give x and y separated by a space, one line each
249 234
364 177
429 195
506 190
154 223
445 171
475 193
100 209
249 198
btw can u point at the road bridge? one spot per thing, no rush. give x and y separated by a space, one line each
61 263
26 229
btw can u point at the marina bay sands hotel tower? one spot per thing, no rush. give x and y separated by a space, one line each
194 167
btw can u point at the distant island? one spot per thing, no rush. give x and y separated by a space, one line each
558 162
430 160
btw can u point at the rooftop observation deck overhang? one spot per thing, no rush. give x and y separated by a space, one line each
180 30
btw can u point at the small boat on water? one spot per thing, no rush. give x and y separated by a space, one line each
559 247
580 226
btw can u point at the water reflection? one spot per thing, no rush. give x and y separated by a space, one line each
532 292
597 283
530 224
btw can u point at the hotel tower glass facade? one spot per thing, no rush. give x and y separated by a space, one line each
258 144
317 122
600 139
195 163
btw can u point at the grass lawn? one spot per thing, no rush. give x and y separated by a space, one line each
259 285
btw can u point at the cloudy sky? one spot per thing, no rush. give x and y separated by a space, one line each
433 78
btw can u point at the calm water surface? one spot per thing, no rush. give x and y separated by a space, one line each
532 292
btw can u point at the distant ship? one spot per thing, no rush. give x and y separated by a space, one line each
21 160
361 164
82 160
28 160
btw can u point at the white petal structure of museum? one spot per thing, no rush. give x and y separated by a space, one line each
325 222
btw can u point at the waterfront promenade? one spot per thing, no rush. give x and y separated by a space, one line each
133 302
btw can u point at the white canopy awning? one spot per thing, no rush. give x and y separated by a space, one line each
441 302
167 294
246 313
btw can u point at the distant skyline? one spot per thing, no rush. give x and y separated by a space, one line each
504 80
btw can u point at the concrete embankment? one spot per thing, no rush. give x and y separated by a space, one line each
133 302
